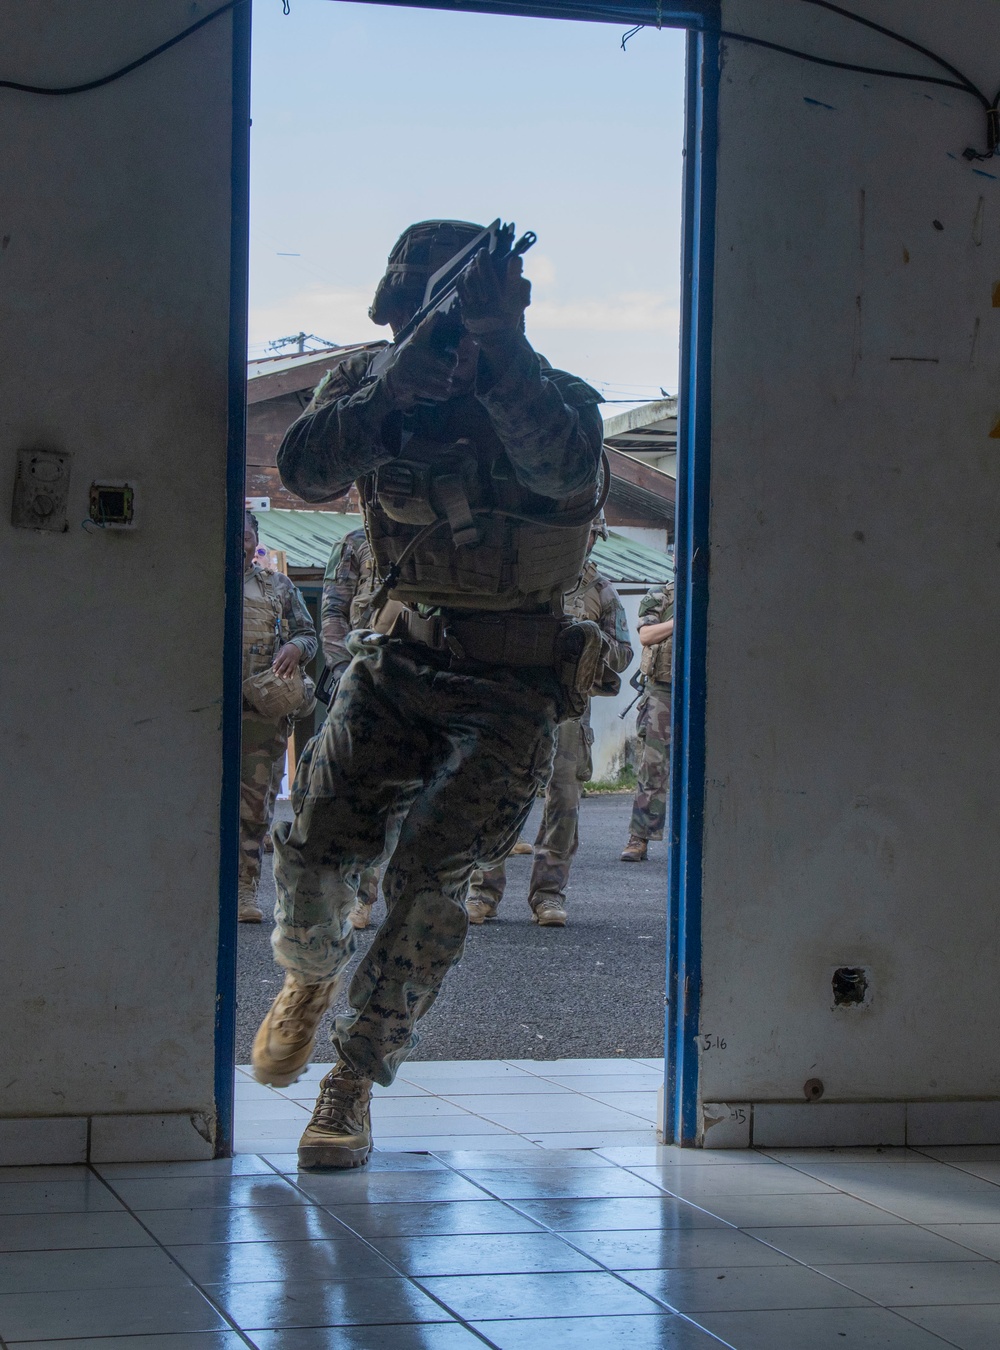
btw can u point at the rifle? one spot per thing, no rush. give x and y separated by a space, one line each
638 683
441 291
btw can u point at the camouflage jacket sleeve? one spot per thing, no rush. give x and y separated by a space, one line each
656 606
348 429
340 583
614 624
296 625
547 420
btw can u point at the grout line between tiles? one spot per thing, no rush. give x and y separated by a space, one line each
201 1290
382 1257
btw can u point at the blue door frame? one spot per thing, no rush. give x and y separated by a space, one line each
687 759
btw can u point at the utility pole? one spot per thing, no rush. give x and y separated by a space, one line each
299 340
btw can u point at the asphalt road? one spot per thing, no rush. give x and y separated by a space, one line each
592 989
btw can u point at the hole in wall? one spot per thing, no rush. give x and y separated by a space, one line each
850 986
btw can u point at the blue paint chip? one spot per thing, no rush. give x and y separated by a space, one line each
816 104
983 174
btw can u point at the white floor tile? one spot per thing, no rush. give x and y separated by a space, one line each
454 1127
922 1283
970 1328
824 1329
590 1083
642 1104
434 1143
983 1238
591 1138
575 1067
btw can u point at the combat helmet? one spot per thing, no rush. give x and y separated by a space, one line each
416 255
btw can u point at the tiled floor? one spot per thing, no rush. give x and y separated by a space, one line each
526 1103
500 1241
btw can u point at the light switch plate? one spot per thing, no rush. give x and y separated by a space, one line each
41 490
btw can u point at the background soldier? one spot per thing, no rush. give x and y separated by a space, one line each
558 836
478 471
649 810
349 583
277 633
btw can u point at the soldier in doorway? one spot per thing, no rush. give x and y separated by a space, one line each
349 583
649 810
558 836
278 634
478 469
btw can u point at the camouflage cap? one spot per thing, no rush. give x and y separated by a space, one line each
416 255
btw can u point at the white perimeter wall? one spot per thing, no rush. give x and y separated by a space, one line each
115 221
853 800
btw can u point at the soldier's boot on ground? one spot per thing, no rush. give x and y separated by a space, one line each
521 849
340 1131
479 910
635 849
249 911
284 1043
549 913
361 915
267 844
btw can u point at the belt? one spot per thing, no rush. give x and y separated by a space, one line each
502 639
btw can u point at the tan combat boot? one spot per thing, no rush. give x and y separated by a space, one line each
249 911
284 1044
634 850
361 915
479 911
340 1131
521 849
549 914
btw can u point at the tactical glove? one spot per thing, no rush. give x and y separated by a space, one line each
492 303
421 369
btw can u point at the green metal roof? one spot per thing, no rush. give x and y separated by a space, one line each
306 537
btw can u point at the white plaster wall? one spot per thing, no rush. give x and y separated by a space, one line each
853 811
114 219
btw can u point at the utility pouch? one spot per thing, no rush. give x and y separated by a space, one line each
582 665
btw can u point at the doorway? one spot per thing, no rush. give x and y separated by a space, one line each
383 53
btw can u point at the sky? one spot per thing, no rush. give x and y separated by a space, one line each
369 117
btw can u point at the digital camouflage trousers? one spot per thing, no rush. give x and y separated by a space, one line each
649 810
262 767
441 763
558 836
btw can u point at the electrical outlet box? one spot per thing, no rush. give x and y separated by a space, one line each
256 504
41 490
112 505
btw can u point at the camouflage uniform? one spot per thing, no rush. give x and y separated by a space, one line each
348 585
447 751
558 835
649 810
264 742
